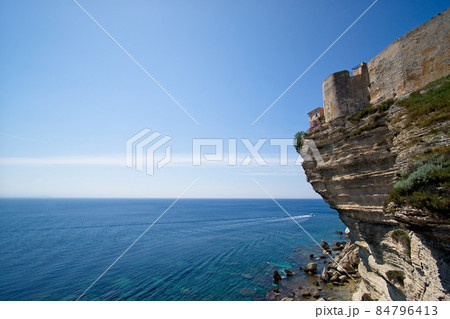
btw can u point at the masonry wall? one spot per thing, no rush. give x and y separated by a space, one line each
409 63
412 61
344 94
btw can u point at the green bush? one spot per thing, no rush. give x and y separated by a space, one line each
396 276
421 176
298 143
430 107
363 128
427 185
402 237
383 107
371 109
365 111
431 201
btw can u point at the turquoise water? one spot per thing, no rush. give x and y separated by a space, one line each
202 249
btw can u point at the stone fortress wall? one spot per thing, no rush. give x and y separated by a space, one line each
409 63
344 94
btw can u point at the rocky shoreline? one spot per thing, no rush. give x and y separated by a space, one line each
332 275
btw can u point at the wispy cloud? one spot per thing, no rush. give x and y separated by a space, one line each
64 160
17 137
277 173
178 160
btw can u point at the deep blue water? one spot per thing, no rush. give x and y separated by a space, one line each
202 249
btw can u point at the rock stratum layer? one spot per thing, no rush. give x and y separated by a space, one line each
404 250
405 254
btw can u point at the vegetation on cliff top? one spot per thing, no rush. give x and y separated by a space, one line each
370 109
298 143
427 184
430 105
377 115
424 108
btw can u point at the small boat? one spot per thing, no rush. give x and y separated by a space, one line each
311 215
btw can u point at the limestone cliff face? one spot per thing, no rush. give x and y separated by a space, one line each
404 252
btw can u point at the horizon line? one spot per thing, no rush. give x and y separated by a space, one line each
51 197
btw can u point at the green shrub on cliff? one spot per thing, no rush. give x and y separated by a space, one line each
396 276
298 140
427 185
430 105
421 176
402 237
367 127
370 109
365 111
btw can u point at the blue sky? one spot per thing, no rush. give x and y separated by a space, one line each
70 97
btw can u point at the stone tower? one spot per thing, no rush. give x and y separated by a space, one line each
344 94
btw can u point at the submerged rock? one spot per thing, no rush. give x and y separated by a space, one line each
276 276
310 268
247 292
339 246
305 293
324 275
289 273
325 246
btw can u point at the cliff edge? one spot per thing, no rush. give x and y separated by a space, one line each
385 166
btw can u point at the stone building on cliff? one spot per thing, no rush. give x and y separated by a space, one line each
419 57
315 115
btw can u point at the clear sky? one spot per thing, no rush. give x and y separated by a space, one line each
70 97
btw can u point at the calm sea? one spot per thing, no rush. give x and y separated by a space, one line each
202 249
